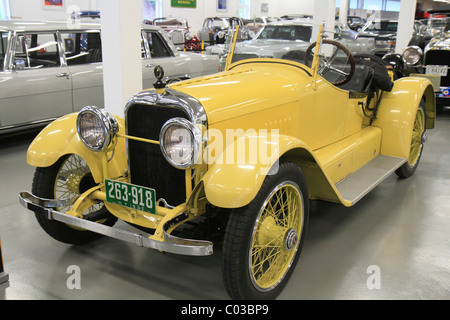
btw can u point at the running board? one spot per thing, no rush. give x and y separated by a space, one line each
358 184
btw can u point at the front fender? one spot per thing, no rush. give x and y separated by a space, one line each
397 113
234 185
60 138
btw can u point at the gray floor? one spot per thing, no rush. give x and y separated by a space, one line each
402 228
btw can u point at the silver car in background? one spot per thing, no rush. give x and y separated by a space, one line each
289 40
50 69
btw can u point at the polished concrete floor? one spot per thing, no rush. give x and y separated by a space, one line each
397 237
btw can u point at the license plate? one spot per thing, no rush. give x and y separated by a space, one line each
131 196
437 70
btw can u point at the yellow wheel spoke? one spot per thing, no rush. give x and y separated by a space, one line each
270 255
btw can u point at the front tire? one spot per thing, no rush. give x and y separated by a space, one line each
69 177
263 240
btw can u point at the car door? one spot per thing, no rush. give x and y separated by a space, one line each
83 55
38 86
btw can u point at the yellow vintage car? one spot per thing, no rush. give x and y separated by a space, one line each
240 153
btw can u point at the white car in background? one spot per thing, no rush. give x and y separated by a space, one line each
50 69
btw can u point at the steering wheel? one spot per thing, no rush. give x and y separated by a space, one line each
338 66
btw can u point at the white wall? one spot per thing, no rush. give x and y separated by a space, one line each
34 9
207 8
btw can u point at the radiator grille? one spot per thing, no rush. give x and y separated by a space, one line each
439 57
147 165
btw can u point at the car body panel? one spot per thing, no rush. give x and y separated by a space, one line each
31 102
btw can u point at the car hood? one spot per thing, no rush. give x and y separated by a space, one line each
247 88
266 48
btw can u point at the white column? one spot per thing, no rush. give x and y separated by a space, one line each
343 12
324 12
121 47
405 24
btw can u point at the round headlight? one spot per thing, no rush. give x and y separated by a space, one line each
180 142
412 55
96 128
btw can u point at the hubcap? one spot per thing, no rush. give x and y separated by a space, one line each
291 239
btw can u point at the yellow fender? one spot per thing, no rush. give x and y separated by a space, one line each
229 185
397 111
60 138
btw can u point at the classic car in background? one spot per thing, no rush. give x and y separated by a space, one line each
355 23
289 39
428 53
215 29
296 17
178 31
383 31
51 69
237 155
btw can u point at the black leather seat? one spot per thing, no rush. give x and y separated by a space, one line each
361 80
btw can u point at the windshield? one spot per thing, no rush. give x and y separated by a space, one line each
216 23
440 24
378 26
291 33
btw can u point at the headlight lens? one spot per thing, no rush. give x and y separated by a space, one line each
180 142
412 55
96 128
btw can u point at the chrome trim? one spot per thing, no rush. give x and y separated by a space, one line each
171 99
109 125
419 51
27 124
196 136
173 245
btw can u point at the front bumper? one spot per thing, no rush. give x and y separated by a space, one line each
172 244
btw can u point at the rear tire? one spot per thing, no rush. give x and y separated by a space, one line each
417 142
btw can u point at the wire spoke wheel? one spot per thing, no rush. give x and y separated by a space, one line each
68 178
73 179
263 240
275 237
417 137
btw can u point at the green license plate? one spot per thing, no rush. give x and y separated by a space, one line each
131 196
